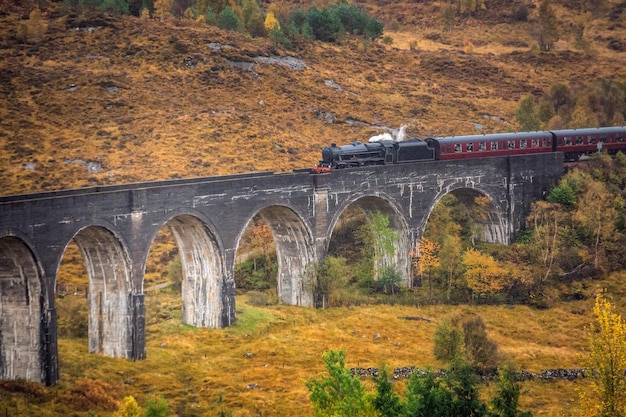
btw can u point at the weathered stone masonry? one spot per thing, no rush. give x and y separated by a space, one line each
114 227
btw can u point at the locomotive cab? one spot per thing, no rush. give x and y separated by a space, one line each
413 150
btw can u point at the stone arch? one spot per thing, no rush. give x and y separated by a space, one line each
495 226
295 251
22 305
207 301
368 204
110 287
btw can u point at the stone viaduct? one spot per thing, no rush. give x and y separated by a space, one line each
115 226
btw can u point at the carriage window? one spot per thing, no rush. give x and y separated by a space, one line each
579 140
482 146
535 143
523 143
602 138
619 138
511 144
567 140
457 147
591 140
470 147
494 146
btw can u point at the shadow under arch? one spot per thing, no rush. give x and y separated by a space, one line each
295 251
401 258
110 287
494 227
22 305
205 296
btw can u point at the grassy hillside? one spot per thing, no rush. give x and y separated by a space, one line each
107 100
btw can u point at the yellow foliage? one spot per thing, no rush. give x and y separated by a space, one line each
271 22
483 273
605 363
162 9
128 408
424 256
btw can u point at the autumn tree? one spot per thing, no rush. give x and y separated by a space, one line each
331 281
446 219
261 239
450 263
479 350
466 339
448 342
162 9
425 260
583 114
562 100
545 111
527 115
545 31
596 215
483 274
128 408
605 363
544 245
607 99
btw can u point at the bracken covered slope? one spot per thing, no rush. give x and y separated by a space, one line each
109 99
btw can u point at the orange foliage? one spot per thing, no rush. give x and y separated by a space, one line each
424 256
91 394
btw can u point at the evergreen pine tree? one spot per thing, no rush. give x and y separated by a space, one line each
228 20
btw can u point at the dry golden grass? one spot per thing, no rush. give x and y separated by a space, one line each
138 111
259 365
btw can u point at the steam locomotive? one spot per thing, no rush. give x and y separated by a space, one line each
572 142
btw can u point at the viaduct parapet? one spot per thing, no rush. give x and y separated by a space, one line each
115 227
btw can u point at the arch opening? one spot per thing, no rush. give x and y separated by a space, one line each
371 210
256 263
462 228
21 313
295 253
481 219
109 275
203 285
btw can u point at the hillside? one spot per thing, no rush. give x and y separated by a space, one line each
107 99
